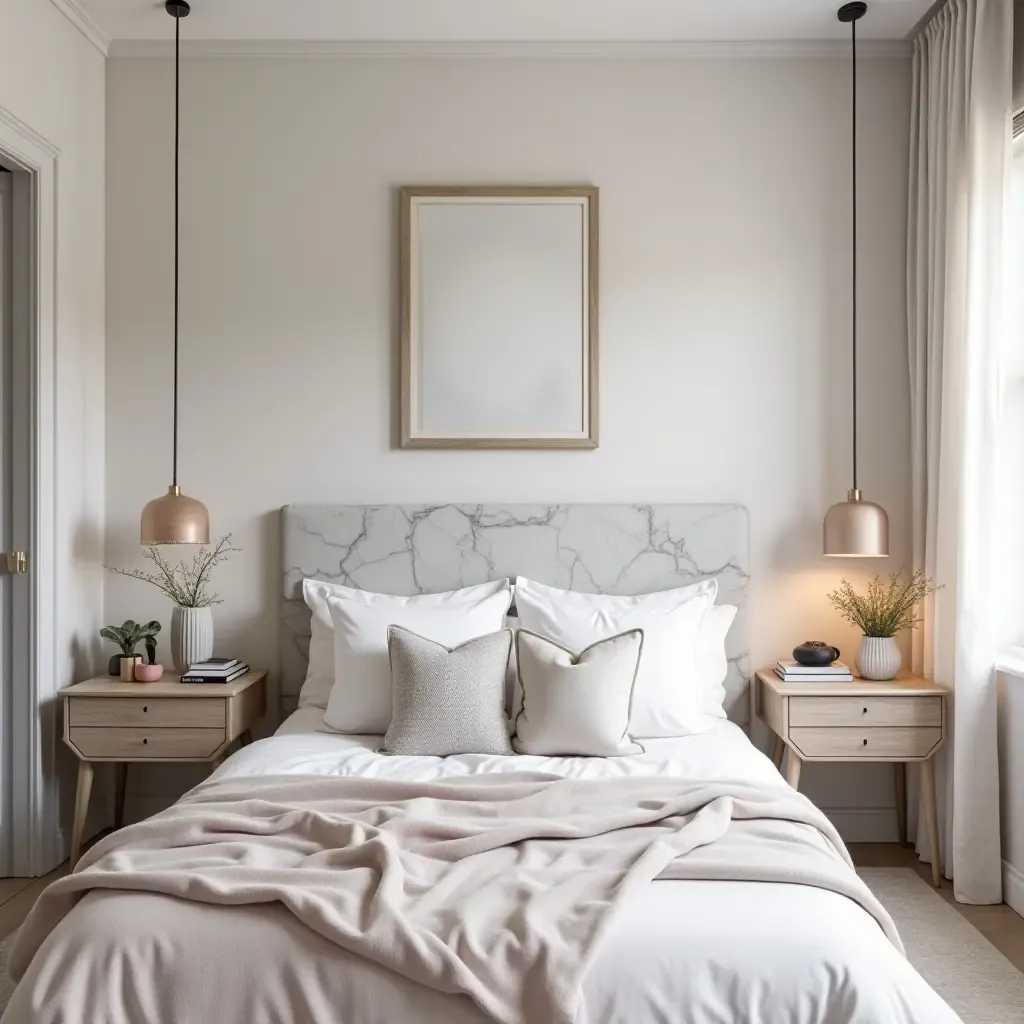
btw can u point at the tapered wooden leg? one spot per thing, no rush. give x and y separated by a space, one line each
778 749
85 773
931 816
793 765
120 785
899 776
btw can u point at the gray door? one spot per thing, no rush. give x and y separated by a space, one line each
6 683
15 505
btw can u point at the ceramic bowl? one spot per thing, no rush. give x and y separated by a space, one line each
148 673
815 654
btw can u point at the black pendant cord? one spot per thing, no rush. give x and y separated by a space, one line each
177 99
853 30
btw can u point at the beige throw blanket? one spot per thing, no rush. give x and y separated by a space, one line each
499 887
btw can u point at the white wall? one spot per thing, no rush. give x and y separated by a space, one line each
54 81
725 305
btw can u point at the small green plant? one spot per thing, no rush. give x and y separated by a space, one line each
130 634
886 609
186 584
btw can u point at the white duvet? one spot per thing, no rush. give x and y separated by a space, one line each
680 952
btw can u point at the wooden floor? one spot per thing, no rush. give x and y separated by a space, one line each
1003 927
17 895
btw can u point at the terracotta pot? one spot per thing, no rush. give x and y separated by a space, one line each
148 673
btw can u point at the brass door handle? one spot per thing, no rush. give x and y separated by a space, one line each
15 562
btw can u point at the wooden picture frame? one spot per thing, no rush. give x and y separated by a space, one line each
499 312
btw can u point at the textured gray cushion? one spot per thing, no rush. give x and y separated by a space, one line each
577 704
448 700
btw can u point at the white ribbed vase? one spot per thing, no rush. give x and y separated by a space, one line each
191 636
878 657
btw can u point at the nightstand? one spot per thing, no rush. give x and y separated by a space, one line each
108 720
898 721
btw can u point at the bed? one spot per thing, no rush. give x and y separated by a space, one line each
689 950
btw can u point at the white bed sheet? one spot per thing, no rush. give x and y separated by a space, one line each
302 744
680 952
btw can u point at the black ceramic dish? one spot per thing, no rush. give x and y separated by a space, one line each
816 654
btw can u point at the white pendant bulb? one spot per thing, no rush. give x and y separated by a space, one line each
175 518
855 528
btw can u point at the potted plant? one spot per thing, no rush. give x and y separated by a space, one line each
187 584
128 636
880 614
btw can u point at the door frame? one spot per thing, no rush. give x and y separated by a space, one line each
36 846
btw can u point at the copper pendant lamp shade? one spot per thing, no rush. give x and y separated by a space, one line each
175 518
855 528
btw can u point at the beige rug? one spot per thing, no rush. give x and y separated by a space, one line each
950 954
953 956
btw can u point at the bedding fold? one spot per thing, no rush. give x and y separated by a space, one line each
498 887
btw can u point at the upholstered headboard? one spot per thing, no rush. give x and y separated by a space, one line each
419 549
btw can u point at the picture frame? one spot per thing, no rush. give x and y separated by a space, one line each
499 316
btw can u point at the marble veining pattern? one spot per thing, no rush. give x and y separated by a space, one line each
607 549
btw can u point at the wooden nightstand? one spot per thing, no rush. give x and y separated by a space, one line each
899 721
108 720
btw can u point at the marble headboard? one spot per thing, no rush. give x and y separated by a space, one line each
610 549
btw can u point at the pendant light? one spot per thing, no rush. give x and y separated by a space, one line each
855 527
175 518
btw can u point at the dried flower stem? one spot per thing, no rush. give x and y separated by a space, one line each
186 585
886 609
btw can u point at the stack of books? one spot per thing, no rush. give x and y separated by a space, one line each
794 672
215 670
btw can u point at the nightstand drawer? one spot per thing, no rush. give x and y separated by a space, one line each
865 711
136 744
846 743
159 712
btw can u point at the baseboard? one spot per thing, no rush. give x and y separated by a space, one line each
864 824
1013 887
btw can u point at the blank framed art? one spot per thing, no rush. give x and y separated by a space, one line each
499 317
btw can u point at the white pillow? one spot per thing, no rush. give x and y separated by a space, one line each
577 704
360 699
713 665
316 690
669 696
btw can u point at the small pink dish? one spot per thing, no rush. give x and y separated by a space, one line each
148 673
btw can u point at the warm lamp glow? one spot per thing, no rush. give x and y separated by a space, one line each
856 529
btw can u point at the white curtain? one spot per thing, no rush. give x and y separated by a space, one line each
959 174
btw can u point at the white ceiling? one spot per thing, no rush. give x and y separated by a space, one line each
604 21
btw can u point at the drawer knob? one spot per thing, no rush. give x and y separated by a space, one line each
865 743
865 711
145 708
144 740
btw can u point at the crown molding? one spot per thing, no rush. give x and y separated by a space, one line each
82 20
33 137
710 49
